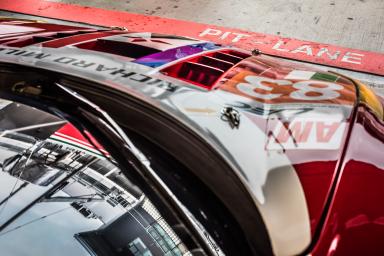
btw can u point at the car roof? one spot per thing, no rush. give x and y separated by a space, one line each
207 86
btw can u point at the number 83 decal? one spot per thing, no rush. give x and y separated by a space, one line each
267 89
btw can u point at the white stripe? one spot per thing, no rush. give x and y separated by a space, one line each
59 134
77 141
300 75
71 143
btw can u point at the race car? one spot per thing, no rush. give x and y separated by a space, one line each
127 143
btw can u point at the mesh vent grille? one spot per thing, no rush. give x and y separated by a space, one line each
205 70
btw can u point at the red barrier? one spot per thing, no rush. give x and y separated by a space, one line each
325 54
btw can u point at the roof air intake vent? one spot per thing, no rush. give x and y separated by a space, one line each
205 70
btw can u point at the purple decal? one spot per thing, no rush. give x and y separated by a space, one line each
161 58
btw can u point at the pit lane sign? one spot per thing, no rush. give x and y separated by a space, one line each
286 46
318 53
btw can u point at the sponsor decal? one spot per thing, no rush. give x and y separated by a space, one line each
295 88
93 66
306 133
158 59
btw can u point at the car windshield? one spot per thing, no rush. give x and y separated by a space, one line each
63 194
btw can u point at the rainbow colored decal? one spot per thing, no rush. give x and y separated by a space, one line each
161 58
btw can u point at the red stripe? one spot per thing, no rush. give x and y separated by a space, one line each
69 132
357 60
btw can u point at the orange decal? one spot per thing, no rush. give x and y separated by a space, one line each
286 90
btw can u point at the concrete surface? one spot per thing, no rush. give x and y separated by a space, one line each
24 16
356 24
361 26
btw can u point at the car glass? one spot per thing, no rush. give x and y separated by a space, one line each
61 194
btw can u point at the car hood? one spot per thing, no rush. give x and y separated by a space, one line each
293 120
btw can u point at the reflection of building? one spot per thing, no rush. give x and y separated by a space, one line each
140 231
116 217
92 200
96 182
97 191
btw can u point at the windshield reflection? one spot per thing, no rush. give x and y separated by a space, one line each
84 204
